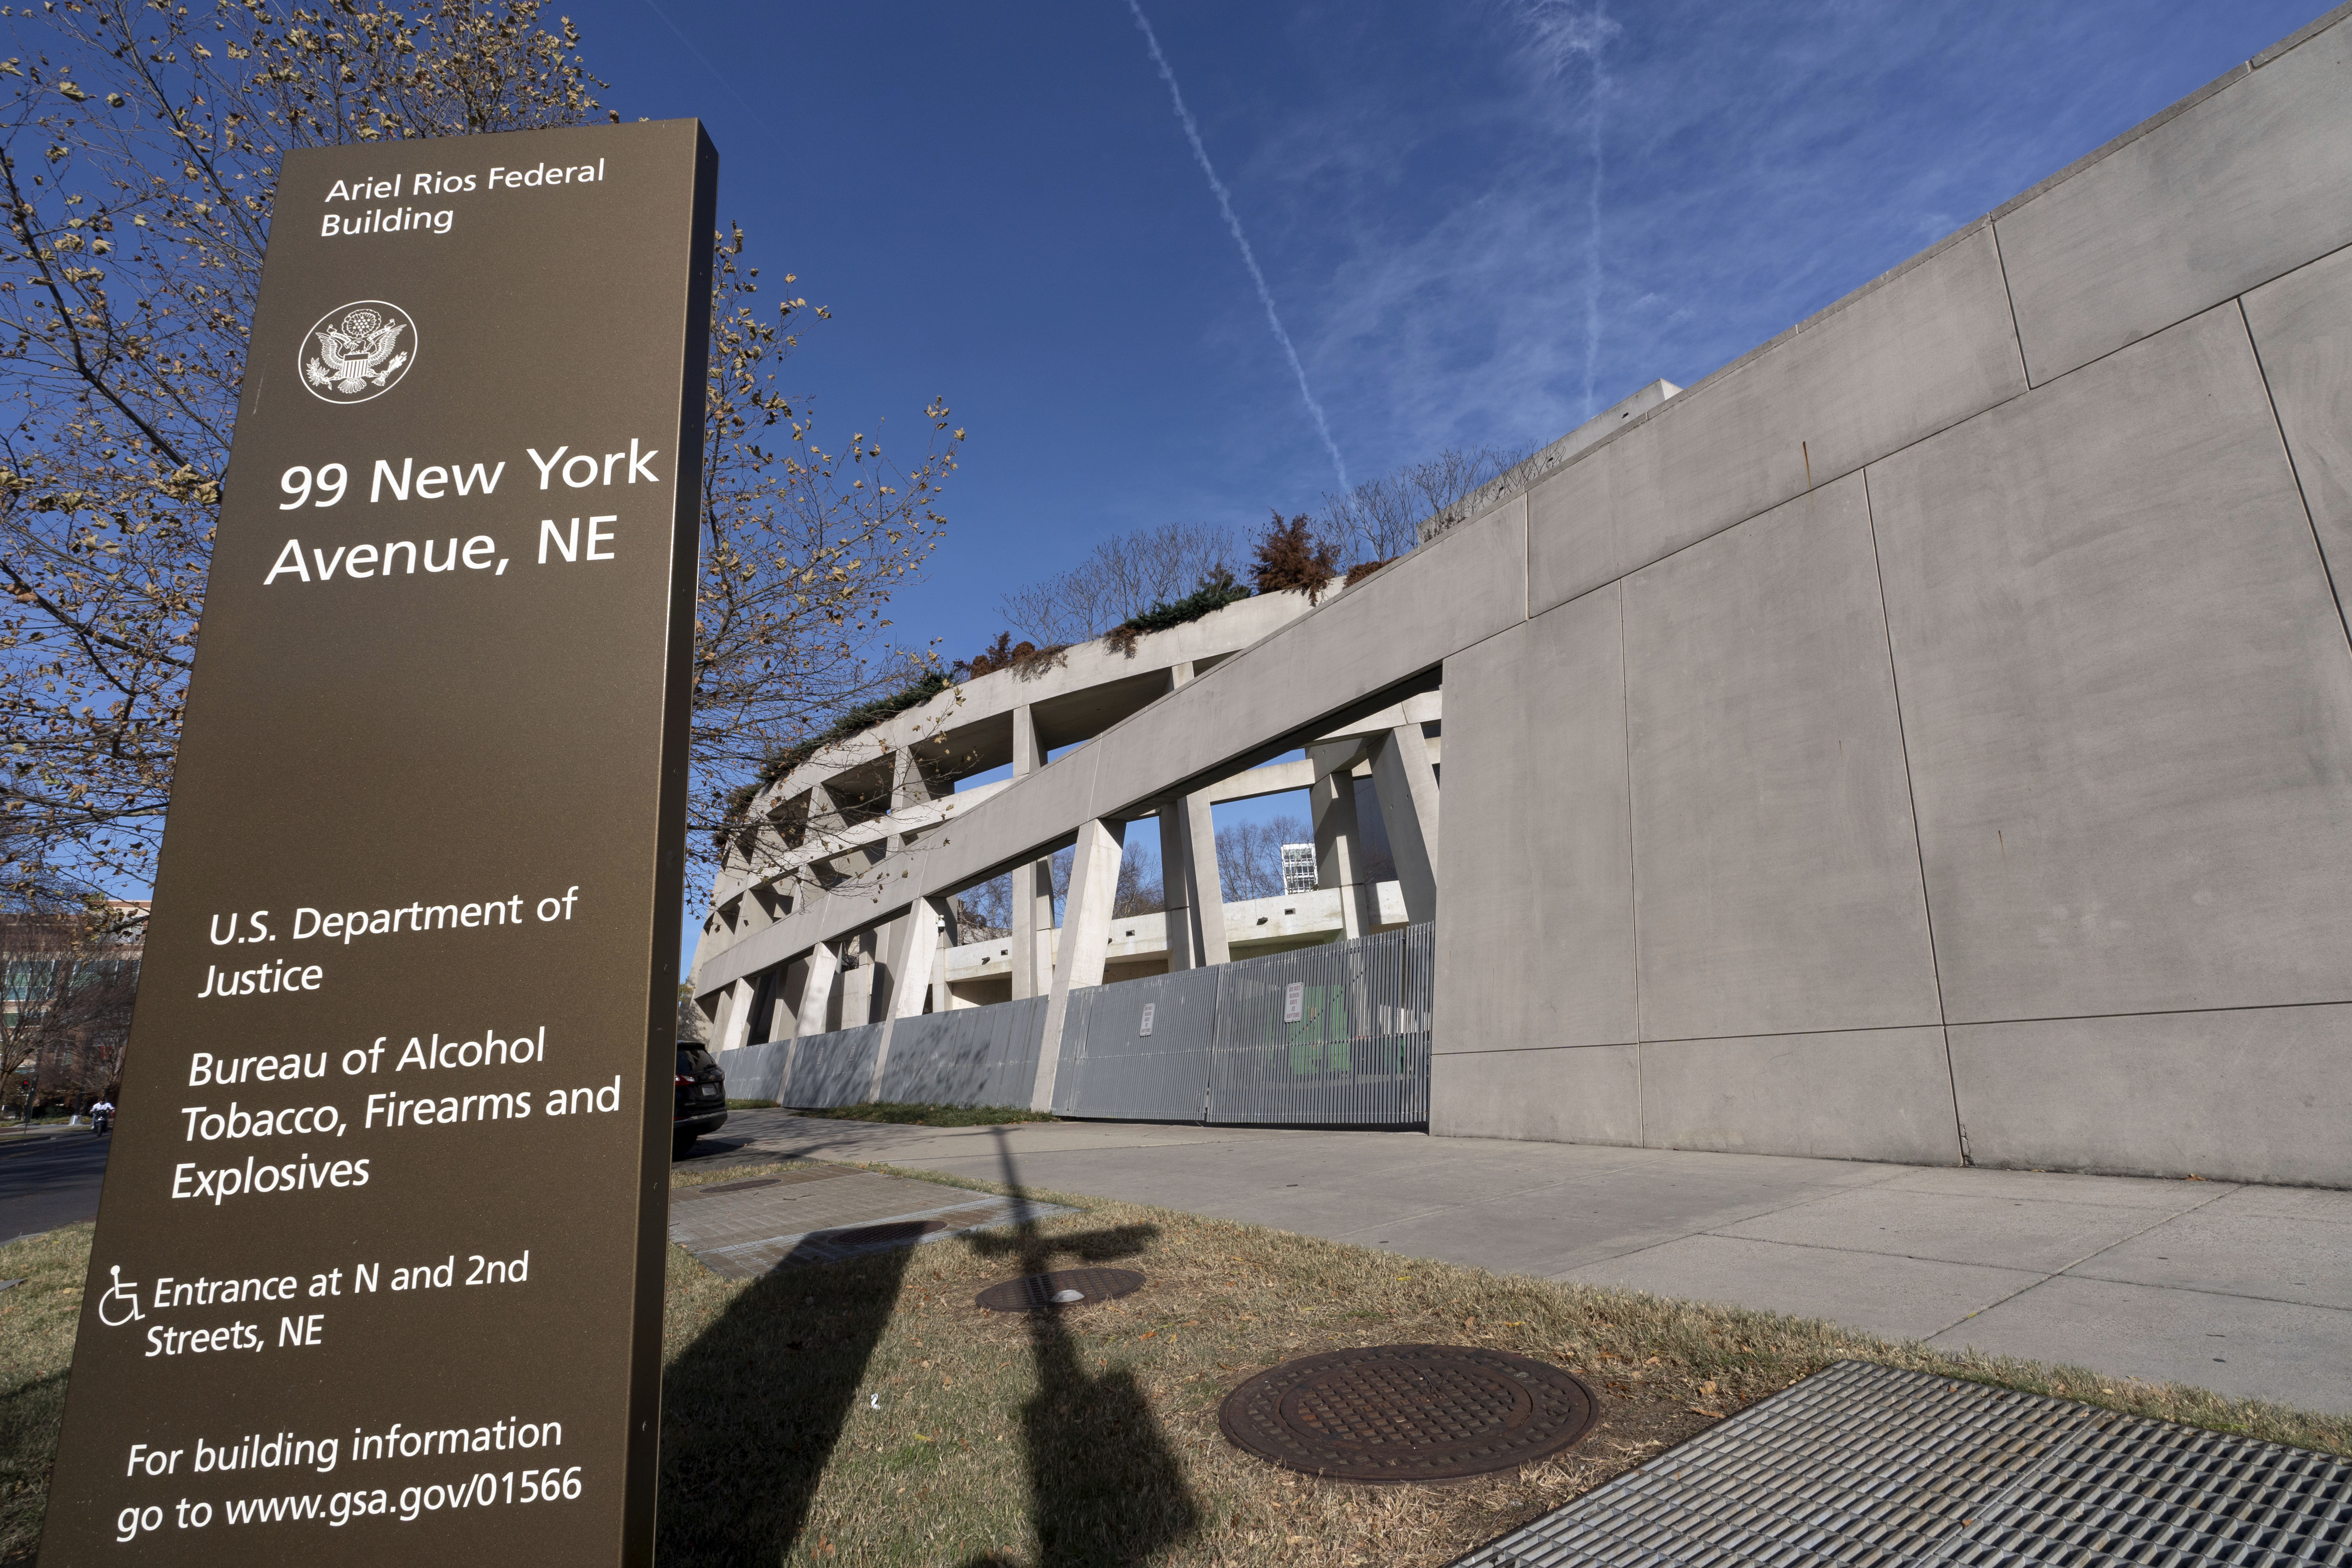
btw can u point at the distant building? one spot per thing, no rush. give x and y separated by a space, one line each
66 983
1298 868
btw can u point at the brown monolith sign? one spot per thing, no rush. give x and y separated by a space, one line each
378 1274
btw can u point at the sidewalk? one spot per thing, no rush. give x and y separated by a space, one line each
2245 1290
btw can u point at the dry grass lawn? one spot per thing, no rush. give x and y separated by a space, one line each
36 1335
869 1413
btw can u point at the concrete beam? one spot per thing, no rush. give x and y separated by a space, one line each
914 816
1250 925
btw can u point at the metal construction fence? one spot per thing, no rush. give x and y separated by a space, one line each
814 1071
1334 1036
973 1056
1337 1036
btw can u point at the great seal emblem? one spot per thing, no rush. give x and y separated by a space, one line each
358 351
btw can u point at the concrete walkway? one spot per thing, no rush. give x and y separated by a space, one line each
2246 1291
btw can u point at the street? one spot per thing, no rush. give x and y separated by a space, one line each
48 1182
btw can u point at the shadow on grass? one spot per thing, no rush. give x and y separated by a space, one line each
752 1409
1104 1485
30 1415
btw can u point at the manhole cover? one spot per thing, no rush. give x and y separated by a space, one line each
884 1234
1035 1292
1407 1412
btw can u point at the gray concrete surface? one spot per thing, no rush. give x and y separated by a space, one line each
2125 693
1546 697
2246 1291
2262 1092
1863 1094
1778 888
1911 352
2298 326
2225 189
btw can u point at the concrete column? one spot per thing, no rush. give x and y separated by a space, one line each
1032 888
789 1025
943 999
1028 756
1338 855
908 787
1407 787
1086 941
914 952
824 969
1176 881
857 991
786 1022
1208 892
1188 870
914 956
735 1021
824 815
1032 911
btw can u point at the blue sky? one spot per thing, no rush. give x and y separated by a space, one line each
1478 221
1000 207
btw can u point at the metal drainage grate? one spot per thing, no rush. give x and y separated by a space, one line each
1407 1412
1863 1464
1062 1288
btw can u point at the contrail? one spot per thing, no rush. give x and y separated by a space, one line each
1592 239
1562 34
757 119
1249 258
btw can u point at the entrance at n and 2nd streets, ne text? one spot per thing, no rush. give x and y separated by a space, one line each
125 1303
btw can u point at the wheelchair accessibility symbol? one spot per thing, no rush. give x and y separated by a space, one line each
120 1305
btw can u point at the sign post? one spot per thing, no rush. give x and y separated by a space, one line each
378 1273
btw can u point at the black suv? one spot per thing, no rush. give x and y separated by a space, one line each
701 1097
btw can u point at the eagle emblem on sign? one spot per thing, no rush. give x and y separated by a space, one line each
356 351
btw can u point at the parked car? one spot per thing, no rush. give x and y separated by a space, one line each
701 1097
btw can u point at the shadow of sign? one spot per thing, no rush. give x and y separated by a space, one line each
1104 1485
752 1410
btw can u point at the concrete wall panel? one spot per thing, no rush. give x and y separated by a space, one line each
1534 931
2126 694
2262 1095
1584 1094
2302 333
1921 349
1451 593
1776 871
1876 1094
2195 207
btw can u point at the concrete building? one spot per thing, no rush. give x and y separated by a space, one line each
832 820
1926 738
